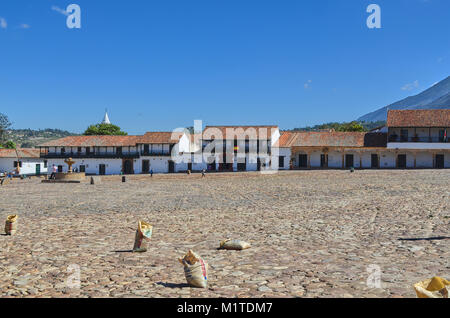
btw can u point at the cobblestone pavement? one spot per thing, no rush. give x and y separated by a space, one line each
313 234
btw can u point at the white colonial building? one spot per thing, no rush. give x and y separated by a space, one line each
22 161
412 139
418 138
240 148
106 155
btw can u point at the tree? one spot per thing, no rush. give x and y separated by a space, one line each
351 126
10 144
104 129
4 125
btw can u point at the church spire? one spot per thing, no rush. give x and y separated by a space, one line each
106 118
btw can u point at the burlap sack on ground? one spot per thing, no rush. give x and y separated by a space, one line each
143 235
195 270
11 225
435 287
234 245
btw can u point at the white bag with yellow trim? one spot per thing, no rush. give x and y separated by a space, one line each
195 270
143 235
435 287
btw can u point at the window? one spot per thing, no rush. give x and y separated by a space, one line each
119 150
45 163
79 149
281 162
63 150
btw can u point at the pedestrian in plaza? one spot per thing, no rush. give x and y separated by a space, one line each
54 171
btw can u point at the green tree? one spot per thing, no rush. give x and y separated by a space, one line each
351 126
104 129
10 144
4 125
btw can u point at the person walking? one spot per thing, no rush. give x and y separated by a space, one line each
54 171
151 173
203 173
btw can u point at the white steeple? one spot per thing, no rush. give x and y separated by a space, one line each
106 118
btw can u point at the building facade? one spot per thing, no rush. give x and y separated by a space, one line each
107 155
22 161
411 139
418 138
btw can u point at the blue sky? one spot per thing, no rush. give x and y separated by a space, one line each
158 65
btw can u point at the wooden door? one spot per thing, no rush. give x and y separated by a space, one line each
374 161
349 161
401 161
324 161
145 166
303 161
440 161
171 166
128 167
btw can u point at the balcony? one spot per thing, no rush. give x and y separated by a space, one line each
80 155
396 138
156 153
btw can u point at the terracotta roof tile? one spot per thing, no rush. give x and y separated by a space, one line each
93 141
160 138
22 152
286 139
339 139
419 118
230 132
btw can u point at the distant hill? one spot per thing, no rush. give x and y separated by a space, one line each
29 138
367 126
436 97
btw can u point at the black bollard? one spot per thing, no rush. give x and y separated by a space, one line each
124 179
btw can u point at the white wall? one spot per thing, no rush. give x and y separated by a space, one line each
286 153
387 160
447 159
113 166
28 165
157 164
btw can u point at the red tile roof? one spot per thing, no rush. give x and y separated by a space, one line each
160 138
241 132
339 139
419 118
286 139
21 152
93 141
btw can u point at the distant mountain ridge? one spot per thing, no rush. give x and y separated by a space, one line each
436 97
29 138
